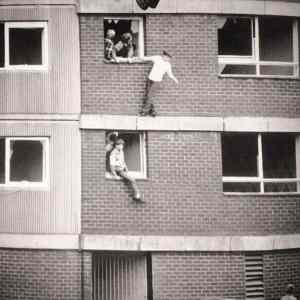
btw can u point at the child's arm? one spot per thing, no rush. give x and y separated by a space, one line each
171 75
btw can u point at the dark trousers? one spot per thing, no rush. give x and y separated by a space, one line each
148 104
124 175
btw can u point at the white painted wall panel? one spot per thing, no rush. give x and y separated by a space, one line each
56 210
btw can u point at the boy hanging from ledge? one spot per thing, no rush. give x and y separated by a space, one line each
119 168
161 66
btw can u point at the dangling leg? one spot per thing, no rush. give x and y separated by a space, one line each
132 182
148 100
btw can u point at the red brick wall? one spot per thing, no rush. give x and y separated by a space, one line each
281 268
183 193
43 275
192 39
195 276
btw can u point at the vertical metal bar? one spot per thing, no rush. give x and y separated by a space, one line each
296 47
260 163
256 41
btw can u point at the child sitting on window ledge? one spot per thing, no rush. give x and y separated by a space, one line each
119 168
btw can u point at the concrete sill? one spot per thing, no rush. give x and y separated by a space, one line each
262 194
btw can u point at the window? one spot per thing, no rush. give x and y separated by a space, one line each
260 163
23 161
258 46
23 45
134 152
123 38
120 277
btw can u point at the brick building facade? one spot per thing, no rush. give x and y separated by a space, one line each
219 217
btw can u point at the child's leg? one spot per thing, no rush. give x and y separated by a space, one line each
132 182
148 102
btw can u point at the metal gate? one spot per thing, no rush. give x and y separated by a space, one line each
119 277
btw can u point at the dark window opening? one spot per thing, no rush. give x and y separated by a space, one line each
2 160
237 69
2 45
239 154
235 37
126 38
25 46
279 155
26 162
132 149
276 39
241 187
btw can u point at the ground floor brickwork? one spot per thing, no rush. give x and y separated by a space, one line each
40 275
68 275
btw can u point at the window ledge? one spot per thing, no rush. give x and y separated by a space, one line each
23 188
259 77
25 69
261 194
135 62
108 176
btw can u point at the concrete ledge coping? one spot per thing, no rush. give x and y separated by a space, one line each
39 117
189 243
235 124
38 2
39 241
149 243
249 7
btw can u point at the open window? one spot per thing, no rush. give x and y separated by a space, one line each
123 38
23 45
258 46
260 163
121 276
134 152
23 161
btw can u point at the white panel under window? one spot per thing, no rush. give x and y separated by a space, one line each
119 277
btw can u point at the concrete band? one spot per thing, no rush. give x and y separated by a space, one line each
150 243
239 124
250 7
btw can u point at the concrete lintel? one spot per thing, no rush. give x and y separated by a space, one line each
251 7
254 7
151 124
250 124
38 2
40 241
283 125
245 124
39 117
108 122
190 243
282 8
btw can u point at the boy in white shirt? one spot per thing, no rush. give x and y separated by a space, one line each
161 66
119 168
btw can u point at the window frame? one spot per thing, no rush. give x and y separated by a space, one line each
26 184
261 179
44 42
142 174
141 40
254 60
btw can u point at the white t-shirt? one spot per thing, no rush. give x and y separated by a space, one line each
160 68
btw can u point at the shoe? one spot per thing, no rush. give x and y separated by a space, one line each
144 113
137 197
153 113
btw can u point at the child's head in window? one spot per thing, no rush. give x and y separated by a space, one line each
119 144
